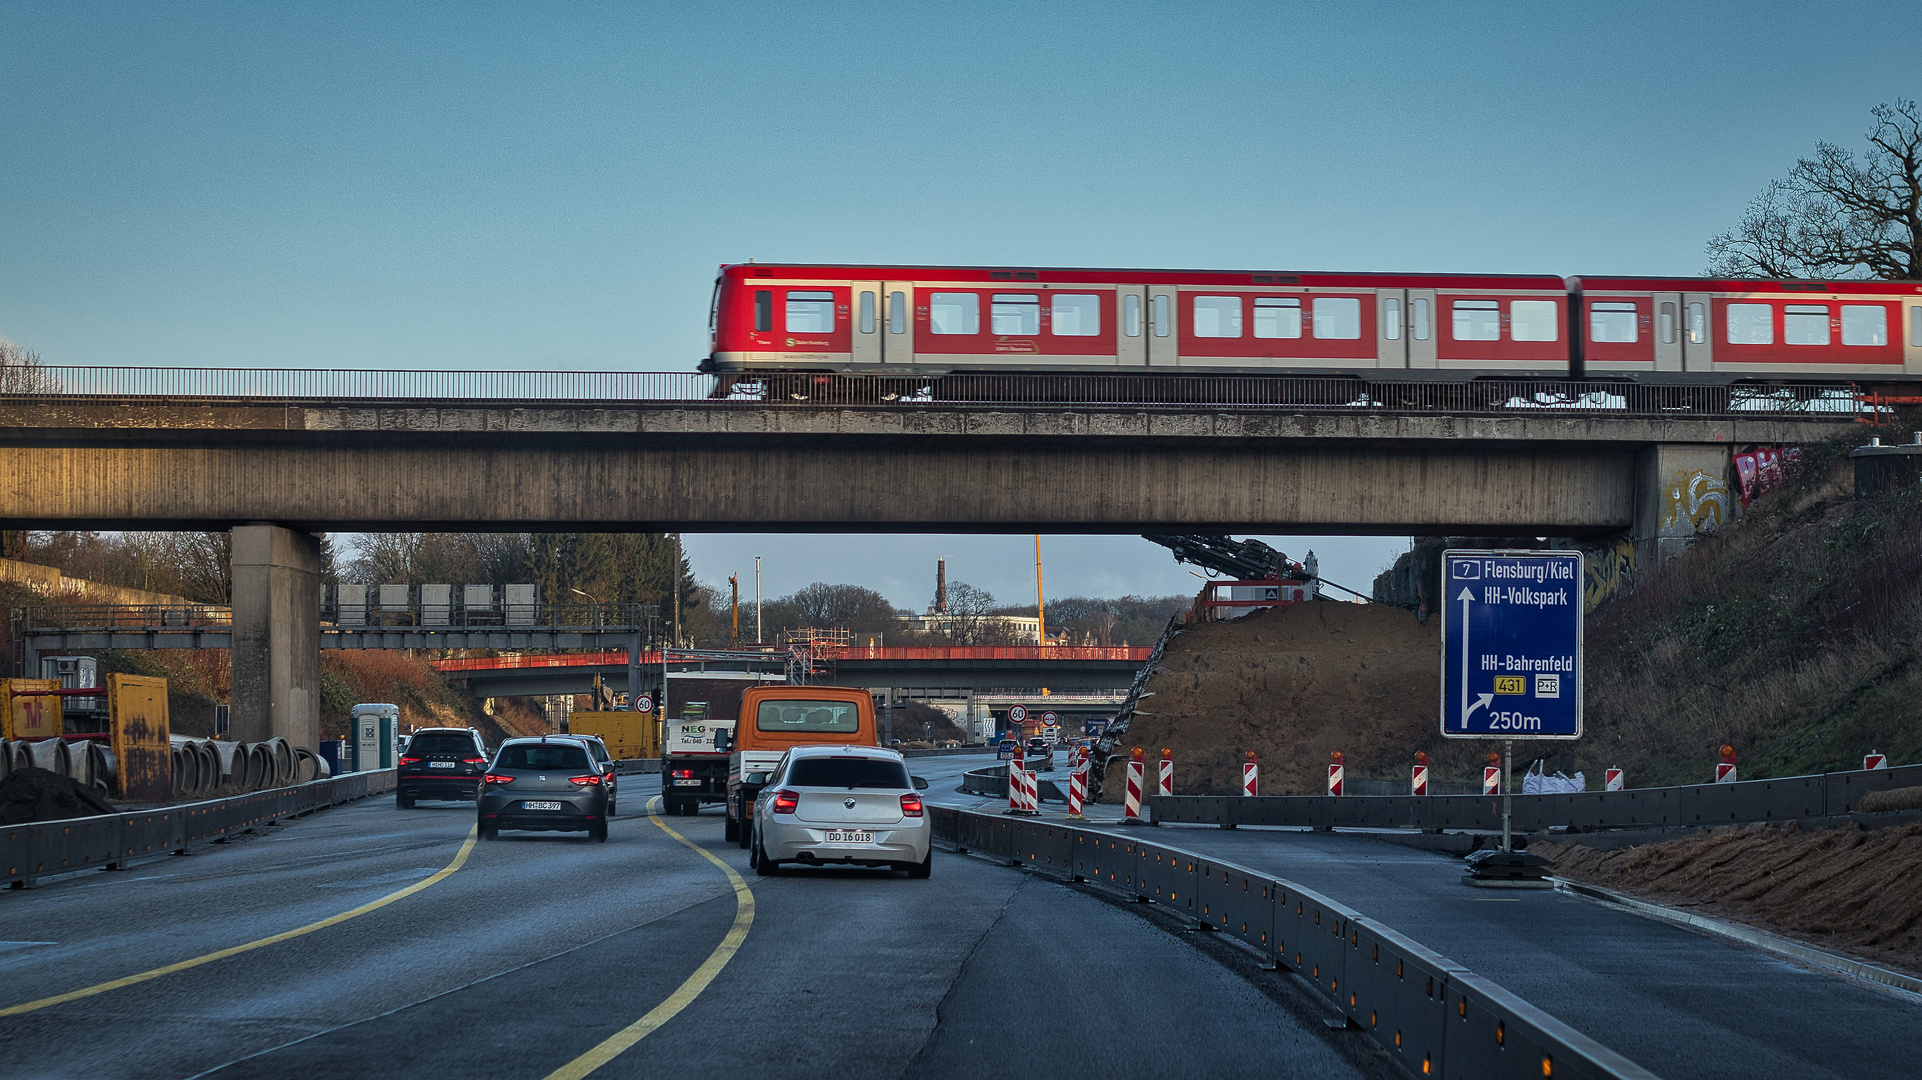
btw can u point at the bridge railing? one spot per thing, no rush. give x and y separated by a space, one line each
1339 395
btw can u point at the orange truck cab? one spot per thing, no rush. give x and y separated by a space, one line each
773 720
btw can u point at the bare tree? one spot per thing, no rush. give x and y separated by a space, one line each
21 371
1838 215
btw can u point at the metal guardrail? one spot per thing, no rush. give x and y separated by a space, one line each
1787 799
45 848
1430 1015
255 386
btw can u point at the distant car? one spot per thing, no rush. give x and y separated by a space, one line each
597 750
439 763
848 805
1040 756
549 783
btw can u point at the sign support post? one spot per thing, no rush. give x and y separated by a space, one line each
1508 795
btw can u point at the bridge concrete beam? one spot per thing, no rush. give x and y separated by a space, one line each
276 639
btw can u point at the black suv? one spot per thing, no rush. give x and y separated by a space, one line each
440 763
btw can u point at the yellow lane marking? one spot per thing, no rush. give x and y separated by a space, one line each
683 995
131 980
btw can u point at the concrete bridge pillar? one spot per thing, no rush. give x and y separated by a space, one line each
276 637
1681 491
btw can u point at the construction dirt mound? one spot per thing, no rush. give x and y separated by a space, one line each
1851 888
1293 684
40 795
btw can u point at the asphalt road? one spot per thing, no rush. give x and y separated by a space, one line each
1679 1003
541 946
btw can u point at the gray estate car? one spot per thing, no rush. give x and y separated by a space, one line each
851 805
544 784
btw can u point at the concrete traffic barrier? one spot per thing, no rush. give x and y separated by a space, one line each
1250 776
1873 760
1418 777
1335 773
1492 775
1725 768
1131 801
1612 780
1166 784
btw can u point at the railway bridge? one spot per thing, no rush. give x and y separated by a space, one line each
276 456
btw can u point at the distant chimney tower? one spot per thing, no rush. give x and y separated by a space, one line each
941 586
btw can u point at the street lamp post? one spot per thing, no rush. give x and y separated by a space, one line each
597 604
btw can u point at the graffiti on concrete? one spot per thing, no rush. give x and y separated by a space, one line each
1697 502
1610 573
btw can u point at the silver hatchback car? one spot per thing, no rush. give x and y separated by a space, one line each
842 805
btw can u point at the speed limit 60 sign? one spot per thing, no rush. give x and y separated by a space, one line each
1017 713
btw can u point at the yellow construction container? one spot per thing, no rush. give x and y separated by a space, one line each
627 734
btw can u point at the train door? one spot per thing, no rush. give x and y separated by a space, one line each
867 322
1164 325
897 315
1668 331
1698 334
1420 331
1391 334
1911 331
1131 325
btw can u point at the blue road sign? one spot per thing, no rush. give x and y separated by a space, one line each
1512 644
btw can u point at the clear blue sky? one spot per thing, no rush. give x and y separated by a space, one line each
552 185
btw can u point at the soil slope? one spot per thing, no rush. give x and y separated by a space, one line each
1851 889
1293 684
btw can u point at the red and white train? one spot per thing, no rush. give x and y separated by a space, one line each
929 320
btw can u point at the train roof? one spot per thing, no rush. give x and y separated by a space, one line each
1743 285
1070 275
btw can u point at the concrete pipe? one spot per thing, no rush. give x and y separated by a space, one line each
48 754
261 768
308 766
6 757
186 771
233 764
209 765
102 768
283 752
80 762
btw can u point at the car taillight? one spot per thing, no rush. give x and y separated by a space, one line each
910 806
584 780
473 761
683 774
498 778
410 761
785 802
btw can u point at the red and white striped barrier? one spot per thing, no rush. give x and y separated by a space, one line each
1492 775
1418 779
1030 791
1334 774
1250 776
1613 780
1873 760
1725 768
1166 784
1131 802
1077 791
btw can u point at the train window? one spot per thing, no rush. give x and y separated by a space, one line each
1337 317
810 312
897 313
1131 315
1478 320
1668 324
1751 324
1391 318
1611 321
1163 324
763 309
1865 324
867 313
1533 320
1277 317
954 313
1421 318
1697 324
1074 314
1217 316
1015 313
1805 324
